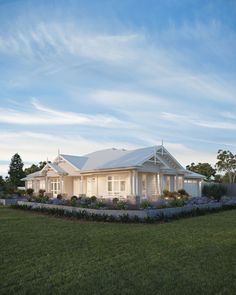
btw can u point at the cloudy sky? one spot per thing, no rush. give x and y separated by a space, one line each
85 75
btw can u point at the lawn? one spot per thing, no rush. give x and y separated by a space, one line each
47 255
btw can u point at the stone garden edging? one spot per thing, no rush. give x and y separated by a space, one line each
8 202
142 214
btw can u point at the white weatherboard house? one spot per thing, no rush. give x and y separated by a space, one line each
110 173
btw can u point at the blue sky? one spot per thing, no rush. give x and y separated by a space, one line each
87 75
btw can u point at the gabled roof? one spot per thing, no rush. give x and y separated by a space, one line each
55 167
115 159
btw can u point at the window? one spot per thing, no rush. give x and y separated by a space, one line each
180 182
55 186
116 185
190 181
122 186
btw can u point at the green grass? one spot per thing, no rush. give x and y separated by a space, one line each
47 255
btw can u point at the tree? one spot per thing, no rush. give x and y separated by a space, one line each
219 178
16 171
227 163
202 168
34 168
2 184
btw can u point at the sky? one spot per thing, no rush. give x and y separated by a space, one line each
80 76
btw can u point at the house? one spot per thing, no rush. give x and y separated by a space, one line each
110 173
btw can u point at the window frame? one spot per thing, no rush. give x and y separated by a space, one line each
116 185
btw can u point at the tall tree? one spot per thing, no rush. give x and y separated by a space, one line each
2 184
227 163
202 168
16 171
34 168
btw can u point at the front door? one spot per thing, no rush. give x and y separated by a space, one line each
91 186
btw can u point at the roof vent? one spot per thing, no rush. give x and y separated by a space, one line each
114 149
124 150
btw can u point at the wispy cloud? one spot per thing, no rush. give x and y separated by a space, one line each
183 119
118 99
48 116
56 40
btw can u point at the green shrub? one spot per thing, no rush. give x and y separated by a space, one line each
121 205
145 204
29 191
93 199
39 199
21 192
73 200
100 204
176 203
85 200
83 205
44 199
59 197
174 195
215 191
183 192
41 192
115 201
166 193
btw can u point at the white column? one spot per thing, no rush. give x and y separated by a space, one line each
60 185
176 183
200 187
131 182
155 181
158 184
81 185
97 186
136 183
46 184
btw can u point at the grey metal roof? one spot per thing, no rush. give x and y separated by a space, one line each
56 168
77 161
110 159
191 174
31 175
113 159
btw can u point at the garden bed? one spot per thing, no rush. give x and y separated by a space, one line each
145 215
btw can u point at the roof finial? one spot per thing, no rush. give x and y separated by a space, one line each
162 150
58 152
